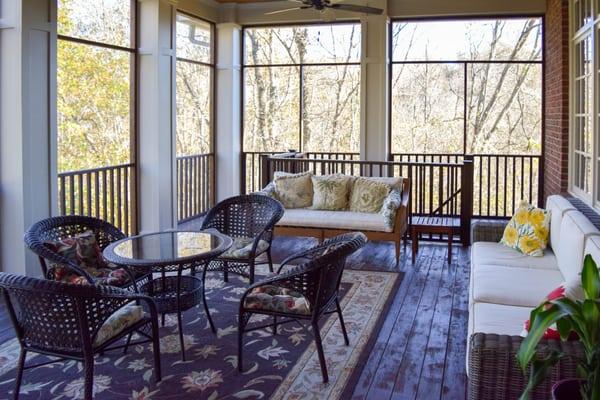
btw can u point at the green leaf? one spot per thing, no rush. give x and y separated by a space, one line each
564 327
574 311
591 313
590 280
542 320
539 371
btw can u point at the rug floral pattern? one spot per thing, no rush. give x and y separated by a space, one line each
282 366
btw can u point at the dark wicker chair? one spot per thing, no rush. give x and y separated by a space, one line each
59 228
250 218
63 320
317 280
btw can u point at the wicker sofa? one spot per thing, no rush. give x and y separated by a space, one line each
323 224
506 285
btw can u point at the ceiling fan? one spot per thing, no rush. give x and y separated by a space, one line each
327 6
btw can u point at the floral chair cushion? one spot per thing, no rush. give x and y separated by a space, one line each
242 246
122 319
83 251
276 298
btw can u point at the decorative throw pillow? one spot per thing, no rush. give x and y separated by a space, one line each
527 230
367 195
571 291
330 192
83 251
390 207
294 190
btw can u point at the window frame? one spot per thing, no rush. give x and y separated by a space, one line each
465 64
213 68
577 35
134 81
244 66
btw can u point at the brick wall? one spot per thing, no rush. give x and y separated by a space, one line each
556 139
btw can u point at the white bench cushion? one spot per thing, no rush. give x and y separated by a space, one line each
301 217
574 230
513 286
491 253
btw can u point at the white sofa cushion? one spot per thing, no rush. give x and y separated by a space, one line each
513 286
491 253
574 230
592 247
557 205
497 318
301 217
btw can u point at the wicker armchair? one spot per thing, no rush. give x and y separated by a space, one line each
72 322
59 228
316 281
494 373
249 220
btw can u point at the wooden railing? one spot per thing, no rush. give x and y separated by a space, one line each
500 180
436 187
251 165
195 185
105 193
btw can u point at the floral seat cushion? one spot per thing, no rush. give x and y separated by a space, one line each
122 319
242 247
83 251
276 298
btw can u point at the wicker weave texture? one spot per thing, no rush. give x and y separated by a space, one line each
494 373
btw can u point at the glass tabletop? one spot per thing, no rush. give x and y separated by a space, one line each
167 247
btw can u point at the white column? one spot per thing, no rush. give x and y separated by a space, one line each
157 185
27 125
374 83
228 135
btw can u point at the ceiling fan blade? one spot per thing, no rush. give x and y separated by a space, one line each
356 8
286 10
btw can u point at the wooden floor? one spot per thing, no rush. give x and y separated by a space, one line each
420 350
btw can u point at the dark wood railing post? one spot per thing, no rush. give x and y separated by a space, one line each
466 202
265 173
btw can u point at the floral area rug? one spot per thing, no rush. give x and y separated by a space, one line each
282 366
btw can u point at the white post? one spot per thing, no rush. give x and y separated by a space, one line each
228 135
157 185
27 126
374 85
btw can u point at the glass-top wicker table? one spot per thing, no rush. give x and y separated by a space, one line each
165 256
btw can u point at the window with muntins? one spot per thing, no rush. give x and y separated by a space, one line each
584 160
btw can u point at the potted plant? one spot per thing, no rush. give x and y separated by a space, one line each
582 317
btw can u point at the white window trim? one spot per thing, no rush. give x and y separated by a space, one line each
592 28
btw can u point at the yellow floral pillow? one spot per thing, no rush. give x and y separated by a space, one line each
528 230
